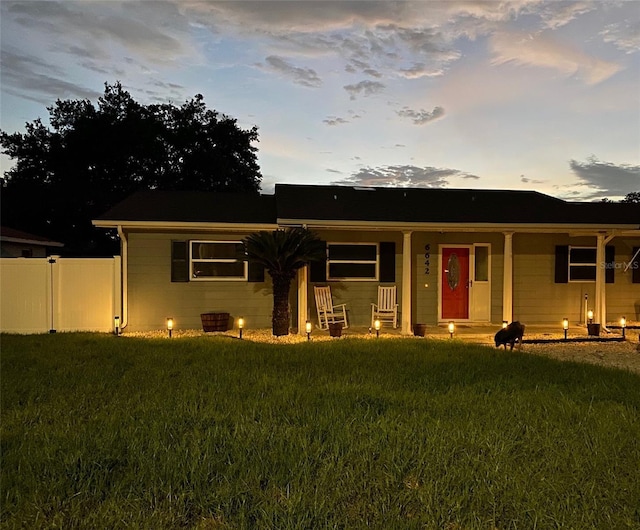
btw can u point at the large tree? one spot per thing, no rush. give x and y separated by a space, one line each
92 156
282 252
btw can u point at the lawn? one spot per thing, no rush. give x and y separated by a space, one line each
219 433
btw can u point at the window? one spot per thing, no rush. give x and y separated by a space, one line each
352 261
217 260
582 264
481 263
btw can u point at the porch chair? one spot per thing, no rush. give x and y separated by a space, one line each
327 312
386 310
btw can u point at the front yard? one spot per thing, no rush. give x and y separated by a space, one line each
213 432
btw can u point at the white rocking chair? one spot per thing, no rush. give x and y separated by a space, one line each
327 312
386 310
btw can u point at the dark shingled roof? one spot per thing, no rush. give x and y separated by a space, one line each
187 206
437 205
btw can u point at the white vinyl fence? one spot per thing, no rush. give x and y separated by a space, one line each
42 295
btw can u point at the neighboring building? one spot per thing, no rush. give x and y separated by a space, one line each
469 256
18 244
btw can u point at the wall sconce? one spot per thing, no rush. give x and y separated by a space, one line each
504 324
590 316
623 325
170 325
307 328
565 327
452 328
376 325
240 326
116 325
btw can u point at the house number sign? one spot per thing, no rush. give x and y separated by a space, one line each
427 259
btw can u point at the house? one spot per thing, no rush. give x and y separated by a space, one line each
18 244
463 255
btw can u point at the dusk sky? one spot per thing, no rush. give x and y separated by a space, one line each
512 95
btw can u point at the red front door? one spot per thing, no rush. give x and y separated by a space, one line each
455 283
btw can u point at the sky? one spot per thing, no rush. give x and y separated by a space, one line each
522 95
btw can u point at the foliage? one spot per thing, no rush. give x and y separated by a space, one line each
634 197
106 432
92 157
282 252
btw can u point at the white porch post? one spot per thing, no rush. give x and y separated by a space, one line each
406 283
600 309
303 302
507 278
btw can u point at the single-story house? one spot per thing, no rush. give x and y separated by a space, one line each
462 255
18 244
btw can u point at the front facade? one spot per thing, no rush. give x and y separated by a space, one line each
469 256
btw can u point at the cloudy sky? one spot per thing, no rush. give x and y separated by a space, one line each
527 94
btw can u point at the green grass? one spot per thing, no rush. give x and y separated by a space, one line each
217 433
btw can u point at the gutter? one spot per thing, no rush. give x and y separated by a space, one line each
124 252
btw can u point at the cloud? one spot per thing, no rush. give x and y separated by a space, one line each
404 176
366 88
545 52
420 117
334 120
624 35
605 179
302 76
526 180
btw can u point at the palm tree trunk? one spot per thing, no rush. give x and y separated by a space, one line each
280 319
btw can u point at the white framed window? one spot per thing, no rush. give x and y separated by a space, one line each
582 264
353 261
216 261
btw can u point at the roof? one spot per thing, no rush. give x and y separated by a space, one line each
188 206
306 204
11 235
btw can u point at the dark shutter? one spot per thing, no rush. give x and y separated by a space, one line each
318 270
635 265
562 264
179 261
256 271
610 259
387 261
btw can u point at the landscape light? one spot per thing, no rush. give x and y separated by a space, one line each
590 316
307 328
623 325
565 327
240 326
116 325
376 325
170 325
452 328
504 324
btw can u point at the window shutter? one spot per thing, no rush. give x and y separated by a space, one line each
256 272
387 261
318 270
179 261
635 265
610 259
562 264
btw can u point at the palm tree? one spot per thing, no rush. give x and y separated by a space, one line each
282 252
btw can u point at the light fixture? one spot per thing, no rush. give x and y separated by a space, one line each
307 328
565 326
170 325
504 324
376 325
623 325
116 325
240 326
590 316
452 328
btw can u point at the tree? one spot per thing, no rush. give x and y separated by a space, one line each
634 197
282 252
92 157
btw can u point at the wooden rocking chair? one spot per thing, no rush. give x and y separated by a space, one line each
327 312
386 310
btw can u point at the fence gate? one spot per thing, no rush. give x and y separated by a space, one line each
41 295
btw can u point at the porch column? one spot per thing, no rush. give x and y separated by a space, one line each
406 283
600 309
507 278
303 302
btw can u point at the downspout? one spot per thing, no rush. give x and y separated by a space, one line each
124 252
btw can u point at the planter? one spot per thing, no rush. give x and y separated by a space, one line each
335 329
593 330
215 321
419 330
